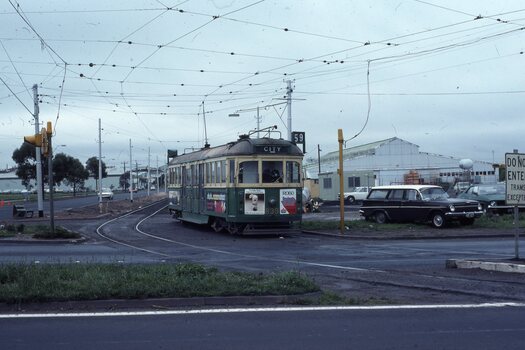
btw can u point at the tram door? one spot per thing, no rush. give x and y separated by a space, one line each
183 192
201 200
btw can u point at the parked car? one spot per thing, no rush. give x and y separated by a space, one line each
107 193
358 194
418 203
460 186
491 196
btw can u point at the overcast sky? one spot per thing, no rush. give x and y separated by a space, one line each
445 75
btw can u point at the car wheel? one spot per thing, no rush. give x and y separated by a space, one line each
438 220
350 200
380 217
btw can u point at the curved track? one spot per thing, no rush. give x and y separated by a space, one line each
140 230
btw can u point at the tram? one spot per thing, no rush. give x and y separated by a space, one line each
252 185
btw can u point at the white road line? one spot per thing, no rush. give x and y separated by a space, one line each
261 309
299 262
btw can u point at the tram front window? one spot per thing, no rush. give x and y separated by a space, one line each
293 174
272 171
249 172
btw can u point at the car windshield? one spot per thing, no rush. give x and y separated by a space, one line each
492 189
433 193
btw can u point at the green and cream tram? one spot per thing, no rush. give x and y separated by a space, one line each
246 186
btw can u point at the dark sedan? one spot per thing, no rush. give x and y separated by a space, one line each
418 203
491 197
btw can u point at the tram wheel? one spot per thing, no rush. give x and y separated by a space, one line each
235 229
218 225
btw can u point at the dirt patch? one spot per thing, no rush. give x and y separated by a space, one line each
111 208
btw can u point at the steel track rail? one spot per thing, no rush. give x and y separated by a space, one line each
374 272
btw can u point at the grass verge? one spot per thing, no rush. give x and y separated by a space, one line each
486 221
37 231
41 283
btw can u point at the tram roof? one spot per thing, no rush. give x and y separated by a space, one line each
243 146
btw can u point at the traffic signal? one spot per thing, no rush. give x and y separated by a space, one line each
45 142
42 139
35 140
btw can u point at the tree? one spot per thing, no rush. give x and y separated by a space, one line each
92 168
70 170
124 180
25 159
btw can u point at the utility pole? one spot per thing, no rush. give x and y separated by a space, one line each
100 165
49 132
124 175
157 174
340 171
39 182
149 178
130 174
289 106
137 171
319 158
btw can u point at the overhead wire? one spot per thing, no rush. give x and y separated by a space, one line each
16 70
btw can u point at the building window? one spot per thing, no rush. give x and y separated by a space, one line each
354 181
327 183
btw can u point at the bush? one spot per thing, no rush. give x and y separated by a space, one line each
44 232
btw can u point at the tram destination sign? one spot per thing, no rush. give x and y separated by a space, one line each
515 179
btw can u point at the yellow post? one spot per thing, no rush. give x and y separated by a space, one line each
340 139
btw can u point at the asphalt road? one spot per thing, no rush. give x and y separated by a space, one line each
401 271
400 328
60 204
397 272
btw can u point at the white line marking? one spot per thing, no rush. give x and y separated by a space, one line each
262 309
244 255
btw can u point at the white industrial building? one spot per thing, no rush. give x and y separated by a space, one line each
392 161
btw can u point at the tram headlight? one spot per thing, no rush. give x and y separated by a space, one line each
272 202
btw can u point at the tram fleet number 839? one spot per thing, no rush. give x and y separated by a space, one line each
246 186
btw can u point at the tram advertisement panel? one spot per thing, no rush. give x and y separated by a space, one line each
254 202
216 202
288 201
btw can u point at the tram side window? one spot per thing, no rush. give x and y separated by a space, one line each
217 172
208 173
232 171
249 172
178 176
272 171
223 171
188 176
293 174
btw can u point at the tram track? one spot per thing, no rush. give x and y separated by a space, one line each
485 288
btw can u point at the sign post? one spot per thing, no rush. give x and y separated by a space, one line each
515 190
298 137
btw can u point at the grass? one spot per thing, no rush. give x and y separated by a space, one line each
40 283
44 232
356 224
486 221
37 231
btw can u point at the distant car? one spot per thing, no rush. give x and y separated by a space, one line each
418 203
460 186
107 193
491 196
358 194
